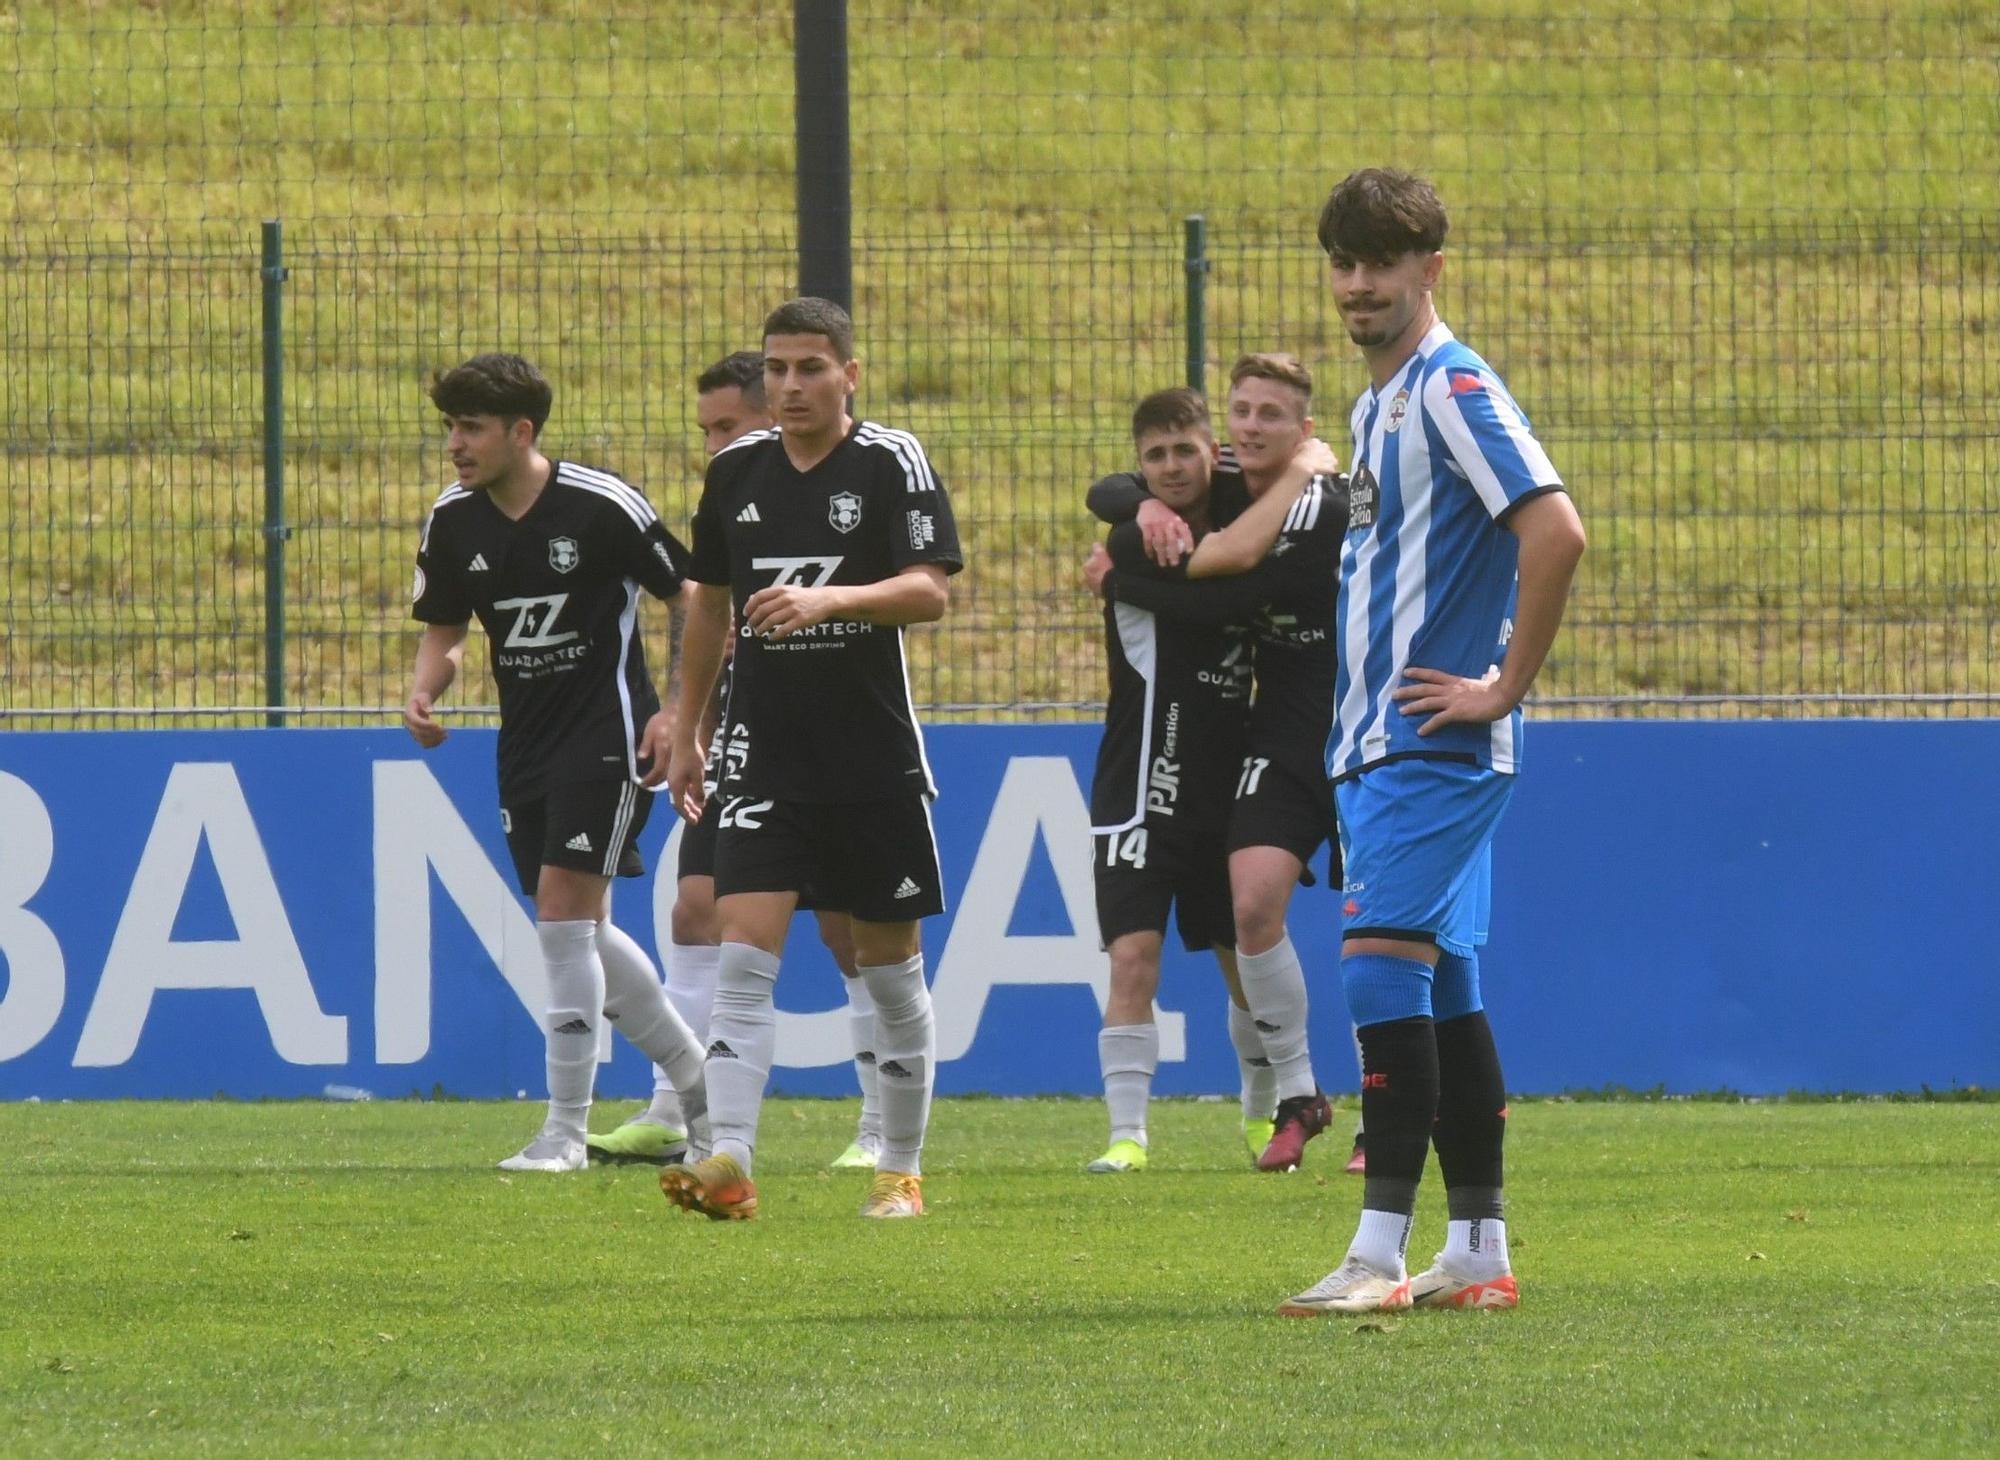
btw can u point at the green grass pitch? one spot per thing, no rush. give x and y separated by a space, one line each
1697 1279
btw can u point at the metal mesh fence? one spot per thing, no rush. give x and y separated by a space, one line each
1738 262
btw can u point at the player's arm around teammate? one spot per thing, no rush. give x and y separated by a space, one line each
1173 734
1283 808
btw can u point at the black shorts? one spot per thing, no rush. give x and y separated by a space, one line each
697 858
1140 874
874 860
589 826
1280 805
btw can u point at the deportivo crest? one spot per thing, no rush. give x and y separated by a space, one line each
844 511
563 555
1398 408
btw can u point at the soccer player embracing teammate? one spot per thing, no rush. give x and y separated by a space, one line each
1283 808
1173 746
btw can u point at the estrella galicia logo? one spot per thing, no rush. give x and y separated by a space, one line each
563 555
1363 496
844 511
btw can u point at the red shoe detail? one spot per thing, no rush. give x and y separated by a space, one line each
1299 1119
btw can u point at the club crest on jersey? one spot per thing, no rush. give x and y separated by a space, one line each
844 511
1398 408
563 555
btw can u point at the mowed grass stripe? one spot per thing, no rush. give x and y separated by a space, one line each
253 1278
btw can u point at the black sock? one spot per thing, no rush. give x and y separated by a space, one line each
1471 1117
1399 1102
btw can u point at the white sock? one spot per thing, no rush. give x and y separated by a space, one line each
635 1002
1128 1054
905 1060
1478 1248
1381 1240
691 974
1274 986
1260 1081
742 1037
861 1023
576 1003
691 990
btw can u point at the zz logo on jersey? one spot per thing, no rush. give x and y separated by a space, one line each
742 811
533 620
806 572
843 510
563 554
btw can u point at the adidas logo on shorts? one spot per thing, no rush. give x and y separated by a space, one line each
579 843
749 514
908 889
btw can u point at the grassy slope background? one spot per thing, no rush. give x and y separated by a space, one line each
1737 260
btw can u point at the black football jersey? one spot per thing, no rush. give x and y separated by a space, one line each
1288 601
558 595
1174 724
824 714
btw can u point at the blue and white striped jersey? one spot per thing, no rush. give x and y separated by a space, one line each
1427 573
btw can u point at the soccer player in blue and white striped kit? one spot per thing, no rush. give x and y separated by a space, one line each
1460 547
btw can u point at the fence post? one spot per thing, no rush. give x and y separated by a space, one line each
275 530
822 157
1196 264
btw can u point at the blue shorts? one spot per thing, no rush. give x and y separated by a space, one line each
1417 836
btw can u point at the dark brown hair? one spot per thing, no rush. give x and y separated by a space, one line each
1379 214
494 385
744 370
1170 410
810 316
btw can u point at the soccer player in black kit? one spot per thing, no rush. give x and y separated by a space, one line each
1283 808
1173 739
550 557
827 536
730 402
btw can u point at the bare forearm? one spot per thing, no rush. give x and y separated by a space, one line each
1552 544
704 636
917 597
1243 544
439 654
676 637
